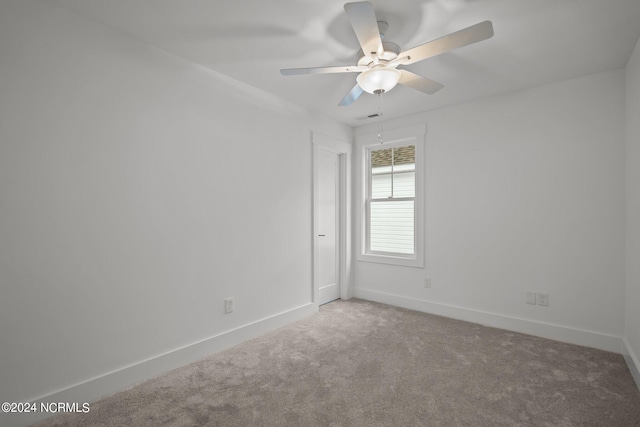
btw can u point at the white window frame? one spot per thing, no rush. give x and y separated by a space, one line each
411 135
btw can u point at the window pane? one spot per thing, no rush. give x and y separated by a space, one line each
404 184
381 158
404 155
393 172
380 185
381 173
404 176
392 226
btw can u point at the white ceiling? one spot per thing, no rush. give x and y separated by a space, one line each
535 42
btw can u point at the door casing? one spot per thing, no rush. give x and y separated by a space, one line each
343 149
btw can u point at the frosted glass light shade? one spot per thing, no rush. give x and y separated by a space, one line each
378 79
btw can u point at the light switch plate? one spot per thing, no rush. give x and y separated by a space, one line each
531 298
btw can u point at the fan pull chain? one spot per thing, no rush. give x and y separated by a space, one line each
380 116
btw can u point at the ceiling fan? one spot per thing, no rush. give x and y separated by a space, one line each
379 60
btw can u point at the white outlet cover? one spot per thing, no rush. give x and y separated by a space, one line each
531 298
543 299
228 305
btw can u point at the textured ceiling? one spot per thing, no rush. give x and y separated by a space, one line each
535 42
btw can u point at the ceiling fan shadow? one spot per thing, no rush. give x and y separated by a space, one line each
241 42
402 26
244 31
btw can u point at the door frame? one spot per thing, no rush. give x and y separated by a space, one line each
343 267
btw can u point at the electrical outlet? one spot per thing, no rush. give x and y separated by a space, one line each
531 298
542 299
228 305
427 282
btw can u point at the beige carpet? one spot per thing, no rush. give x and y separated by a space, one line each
358 363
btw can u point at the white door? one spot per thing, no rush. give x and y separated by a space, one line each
327 227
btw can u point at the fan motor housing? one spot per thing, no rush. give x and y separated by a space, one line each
391 51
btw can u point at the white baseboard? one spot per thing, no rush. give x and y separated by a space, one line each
125 377
632 361
531 327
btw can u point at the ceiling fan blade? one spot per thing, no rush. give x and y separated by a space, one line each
351 96
467 36
321 70
423 84
364 23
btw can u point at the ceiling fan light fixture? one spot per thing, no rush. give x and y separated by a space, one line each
379 79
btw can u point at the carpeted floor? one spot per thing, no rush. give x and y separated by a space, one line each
358 363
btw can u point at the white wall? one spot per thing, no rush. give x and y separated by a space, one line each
137 191
632 329
524 192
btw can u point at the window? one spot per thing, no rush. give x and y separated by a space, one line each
391 221
391 200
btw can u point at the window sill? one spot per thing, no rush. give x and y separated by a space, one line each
393 260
